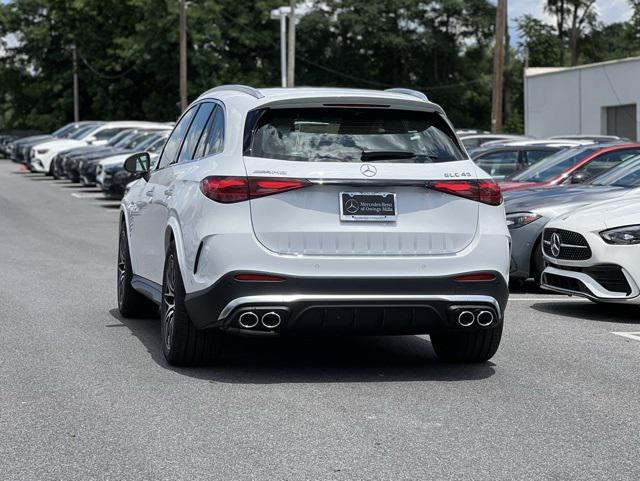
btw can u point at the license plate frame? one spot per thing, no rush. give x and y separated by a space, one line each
368 207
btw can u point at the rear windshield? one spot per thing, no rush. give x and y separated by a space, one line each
555 165
353 135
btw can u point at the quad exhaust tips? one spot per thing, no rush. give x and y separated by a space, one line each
483 317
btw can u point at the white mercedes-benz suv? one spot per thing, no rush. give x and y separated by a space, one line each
315 211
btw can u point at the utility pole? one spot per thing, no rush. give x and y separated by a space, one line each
76 94
498 67
183 56
291 67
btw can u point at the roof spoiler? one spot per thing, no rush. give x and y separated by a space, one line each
412 93
245 89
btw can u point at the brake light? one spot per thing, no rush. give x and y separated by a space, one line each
228 190
262 187
486 191
225 190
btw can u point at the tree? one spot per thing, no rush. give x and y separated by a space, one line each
558 8
572 16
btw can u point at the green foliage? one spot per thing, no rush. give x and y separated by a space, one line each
128 53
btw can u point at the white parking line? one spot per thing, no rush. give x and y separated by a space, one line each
87 196
629 335
560 298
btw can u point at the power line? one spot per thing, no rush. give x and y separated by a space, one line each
360 79
105 76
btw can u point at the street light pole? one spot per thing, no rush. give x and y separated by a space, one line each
498 67
283 49
282 14
76 93
183 56
291 61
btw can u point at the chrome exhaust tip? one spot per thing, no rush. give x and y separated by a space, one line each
248 320
485 318
466 318
271 320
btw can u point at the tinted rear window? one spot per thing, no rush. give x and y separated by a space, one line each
343 134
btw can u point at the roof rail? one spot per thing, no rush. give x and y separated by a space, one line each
237 88
413 93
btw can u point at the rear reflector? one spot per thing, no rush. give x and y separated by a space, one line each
486 191
476 278
227 190
258 278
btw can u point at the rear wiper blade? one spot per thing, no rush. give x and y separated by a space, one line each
373 155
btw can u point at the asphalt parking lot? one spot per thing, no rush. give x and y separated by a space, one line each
85 394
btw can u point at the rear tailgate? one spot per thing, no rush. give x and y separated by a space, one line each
308 221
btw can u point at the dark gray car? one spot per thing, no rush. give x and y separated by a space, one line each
528 211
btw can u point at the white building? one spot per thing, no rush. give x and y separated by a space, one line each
599 98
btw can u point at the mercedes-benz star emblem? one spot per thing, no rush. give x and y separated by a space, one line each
351 206
556 244
368 170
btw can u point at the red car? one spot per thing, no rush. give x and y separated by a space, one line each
572 166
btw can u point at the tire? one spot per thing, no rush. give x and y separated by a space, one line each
537 264
182 343
50 172
471 347
130 302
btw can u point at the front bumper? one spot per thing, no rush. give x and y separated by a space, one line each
416 305
590 282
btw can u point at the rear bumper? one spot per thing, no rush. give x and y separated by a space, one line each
417 305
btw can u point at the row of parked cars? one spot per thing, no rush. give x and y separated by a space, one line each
89 152
550 185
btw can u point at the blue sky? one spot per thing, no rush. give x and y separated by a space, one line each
609 11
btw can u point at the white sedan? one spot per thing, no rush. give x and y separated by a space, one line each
594 252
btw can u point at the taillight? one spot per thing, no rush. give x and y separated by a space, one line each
486 191
262 187
227 190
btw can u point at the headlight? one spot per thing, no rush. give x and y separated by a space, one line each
42 151
622 235
520 219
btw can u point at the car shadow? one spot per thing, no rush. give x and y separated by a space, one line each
525 287
589 311
274 360
41 178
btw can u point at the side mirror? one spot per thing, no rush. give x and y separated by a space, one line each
578 178
139 163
